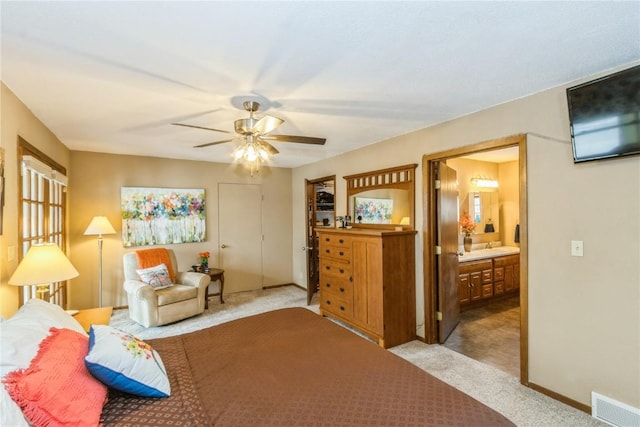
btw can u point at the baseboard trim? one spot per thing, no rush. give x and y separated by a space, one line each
264 288
561 398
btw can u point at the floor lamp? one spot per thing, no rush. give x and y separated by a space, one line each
42 265
99 225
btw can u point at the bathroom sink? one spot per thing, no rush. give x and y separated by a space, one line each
488 253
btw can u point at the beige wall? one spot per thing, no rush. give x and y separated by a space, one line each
17 120
584 313
509 177
95 190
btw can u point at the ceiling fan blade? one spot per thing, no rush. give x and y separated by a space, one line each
267 124
293 138
270 148
201 127
208 144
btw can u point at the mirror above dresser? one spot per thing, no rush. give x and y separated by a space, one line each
383 198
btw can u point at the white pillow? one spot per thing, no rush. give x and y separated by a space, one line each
20 338
21 334
126 363
158 276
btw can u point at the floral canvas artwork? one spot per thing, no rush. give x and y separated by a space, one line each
161 216
373 211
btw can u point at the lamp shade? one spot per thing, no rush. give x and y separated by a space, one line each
99 225
44 263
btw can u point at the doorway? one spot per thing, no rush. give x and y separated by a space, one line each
436 247
320 202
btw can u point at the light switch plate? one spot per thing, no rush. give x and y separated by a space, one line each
577 248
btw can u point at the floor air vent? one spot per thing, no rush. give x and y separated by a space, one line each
613 412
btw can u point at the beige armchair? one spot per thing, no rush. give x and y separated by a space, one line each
150 307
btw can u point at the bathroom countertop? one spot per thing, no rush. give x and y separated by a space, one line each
488 253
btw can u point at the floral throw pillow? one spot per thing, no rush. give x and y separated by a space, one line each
124 362
158 276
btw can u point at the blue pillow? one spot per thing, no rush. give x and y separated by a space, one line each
122 361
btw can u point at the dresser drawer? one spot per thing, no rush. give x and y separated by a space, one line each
334 268
338 252
332 285
337 241
498 274
333 304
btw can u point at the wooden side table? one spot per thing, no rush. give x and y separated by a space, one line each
93 316
215 274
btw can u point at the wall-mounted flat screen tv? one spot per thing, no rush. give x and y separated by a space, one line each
604 115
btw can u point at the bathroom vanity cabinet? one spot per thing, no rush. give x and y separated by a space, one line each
481 281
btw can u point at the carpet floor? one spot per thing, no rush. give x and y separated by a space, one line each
491 386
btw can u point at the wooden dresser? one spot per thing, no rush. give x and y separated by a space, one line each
367 280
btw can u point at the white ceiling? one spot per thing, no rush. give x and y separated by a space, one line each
111 76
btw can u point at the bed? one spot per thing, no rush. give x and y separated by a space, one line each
292 367
284 367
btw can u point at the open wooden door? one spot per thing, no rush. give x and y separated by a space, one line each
447 260
313 275
320 204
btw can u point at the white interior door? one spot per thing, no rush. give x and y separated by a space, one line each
240 236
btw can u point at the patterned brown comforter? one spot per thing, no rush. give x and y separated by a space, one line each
291 367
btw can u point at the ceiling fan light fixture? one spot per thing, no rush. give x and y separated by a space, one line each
252 154
256 134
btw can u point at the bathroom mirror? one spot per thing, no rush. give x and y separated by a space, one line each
383 198
484 208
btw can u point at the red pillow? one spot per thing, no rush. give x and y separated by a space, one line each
57 389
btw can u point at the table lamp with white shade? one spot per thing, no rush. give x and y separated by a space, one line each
43 265
99 225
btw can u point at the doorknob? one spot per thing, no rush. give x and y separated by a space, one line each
223 246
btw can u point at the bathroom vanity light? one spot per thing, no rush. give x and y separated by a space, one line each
482 182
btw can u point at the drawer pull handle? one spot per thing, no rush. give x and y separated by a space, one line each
351 279
341 271
326 239
327 251
341 289
341 241
342 308
328 302
328 268
341 253
328 285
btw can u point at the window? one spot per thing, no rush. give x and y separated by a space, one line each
42 210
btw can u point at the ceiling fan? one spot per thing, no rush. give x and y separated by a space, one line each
255 132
